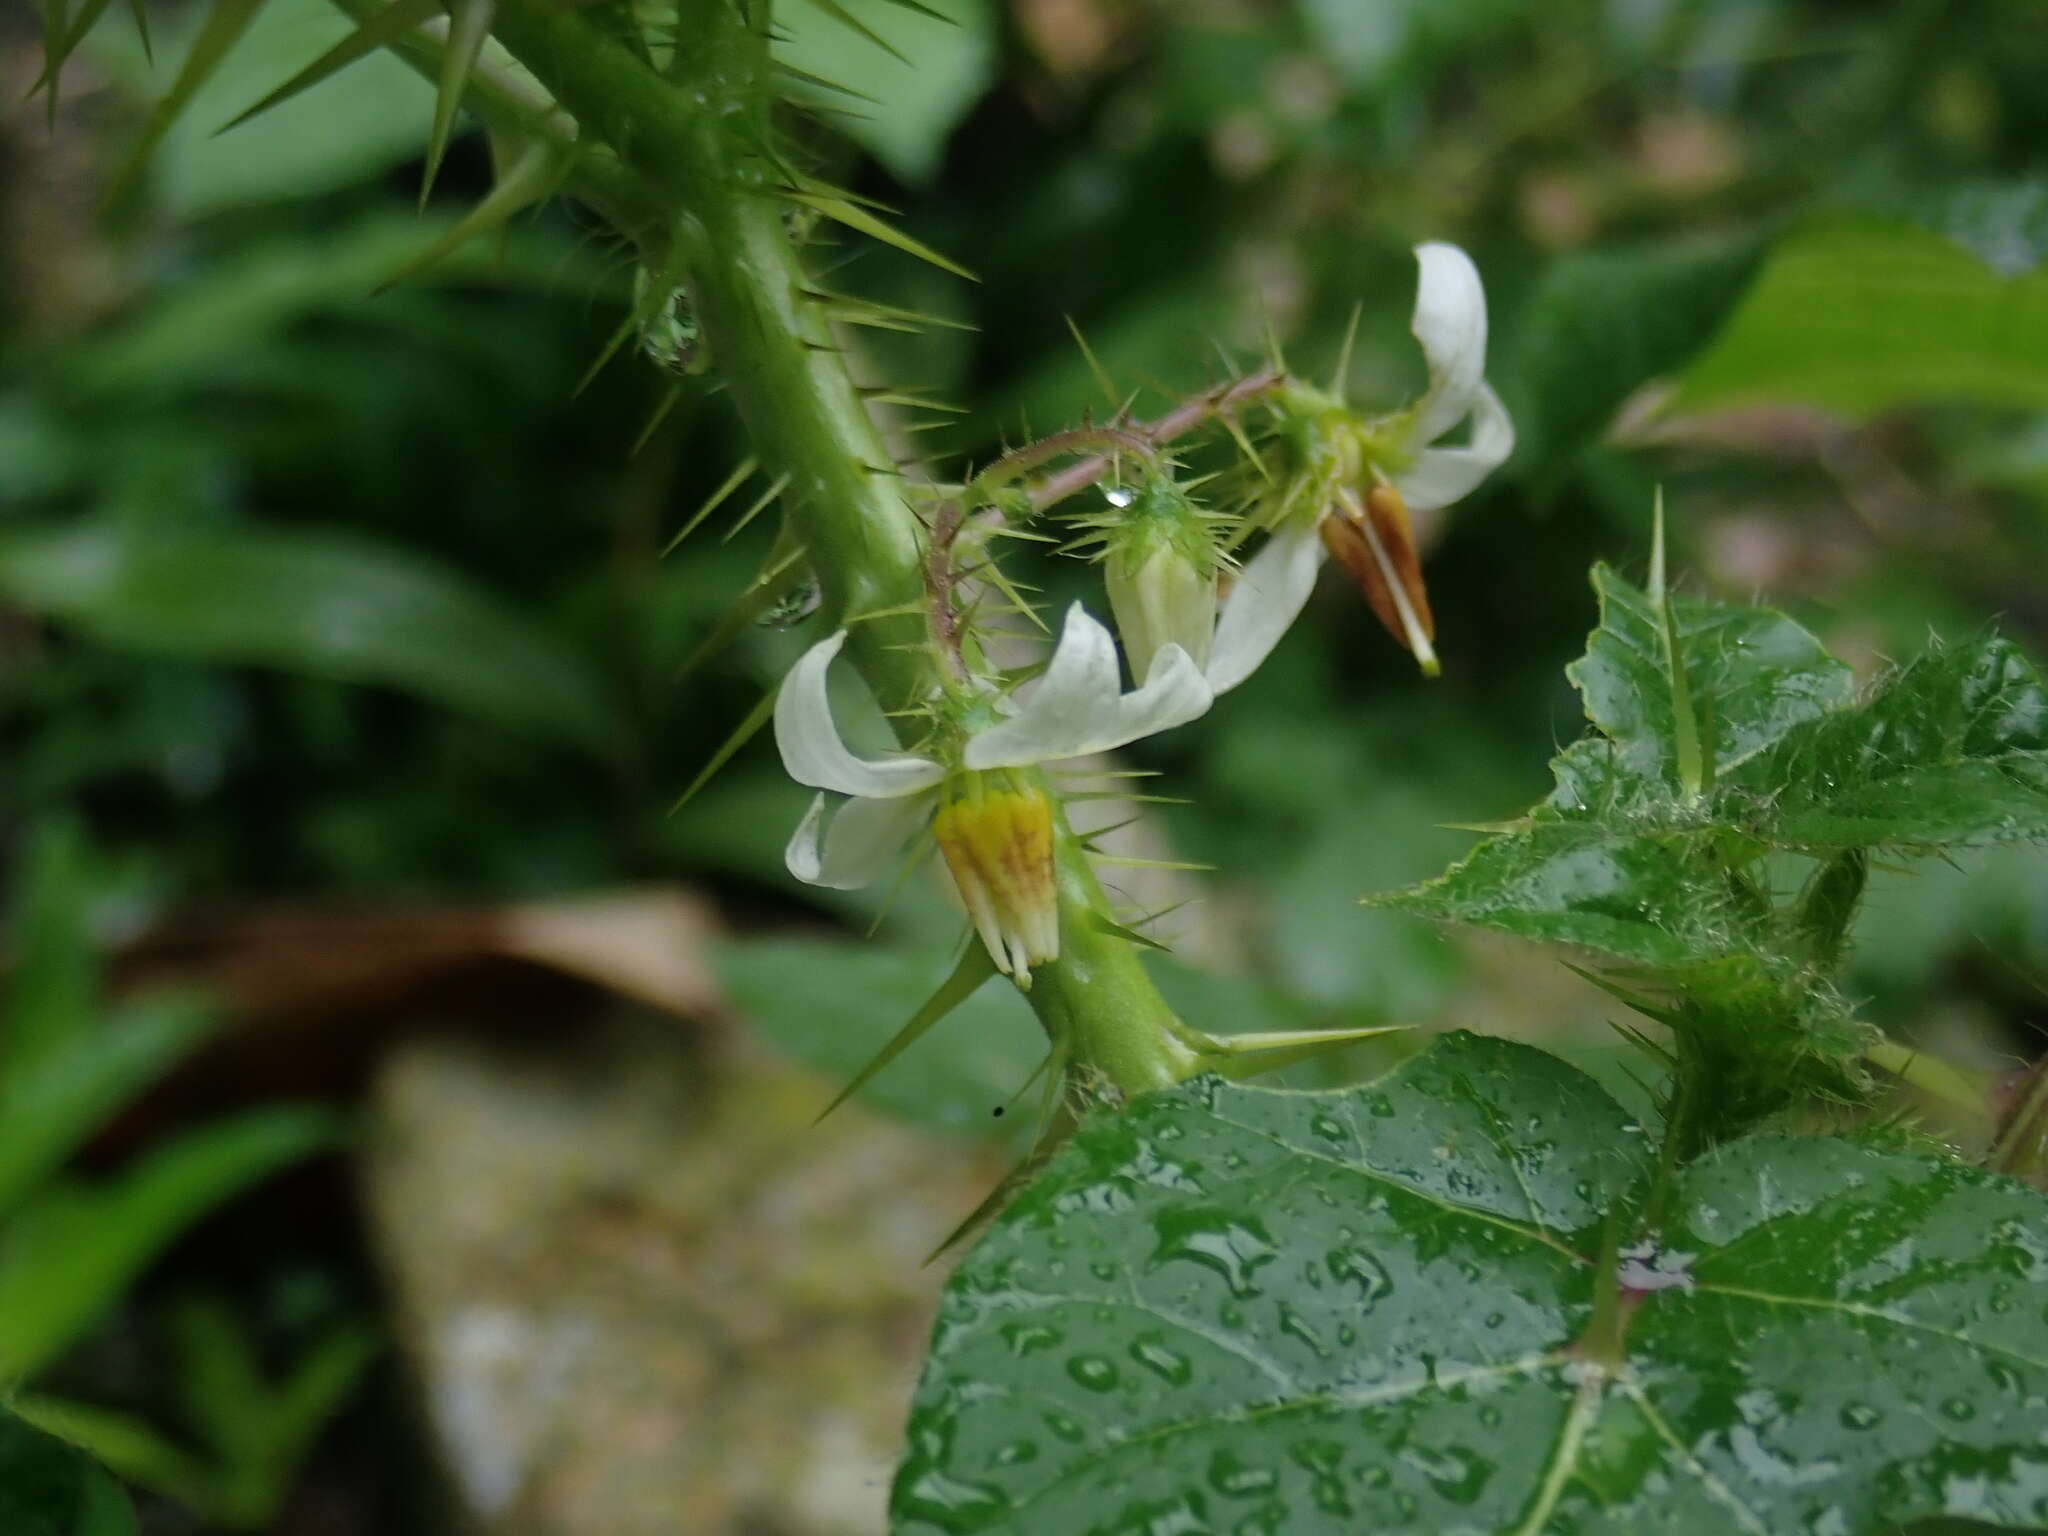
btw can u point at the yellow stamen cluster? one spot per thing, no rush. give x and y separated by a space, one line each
997 841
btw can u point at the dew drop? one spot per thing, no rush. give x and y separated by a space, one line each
1094 1373
1363 1269
1168 1364
1029 1338
1234 1246
1228 1475
1066 1427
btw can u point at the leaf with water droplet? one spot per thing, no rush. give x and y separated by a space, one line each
1841 1350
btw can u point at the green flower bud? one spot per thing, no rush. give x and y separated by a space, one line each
1160 572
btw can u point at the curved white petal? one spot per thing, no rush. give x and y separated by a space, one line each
1077 709
1269 593
859 846
811 749
1450 322
1440 476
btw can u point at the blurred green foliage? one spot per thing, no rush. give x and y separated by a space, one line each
315 589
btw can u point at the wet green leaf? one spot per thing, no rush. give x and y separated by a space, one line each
1751 674
1234 1309
1862 315
49 1489
324 604
1950 750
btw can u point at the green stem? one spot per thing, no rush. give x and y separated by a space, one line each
701 140
508 104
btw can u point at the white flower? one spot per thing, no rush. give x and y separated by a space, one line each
1400 452
994 827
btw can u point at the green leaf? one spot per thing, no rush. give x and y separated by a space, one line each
1751 674
1228 1309
67 1255
832 1004
974 967
189 335
53 1102
54 980
225 22
1864 315
387 26
49 1489
2004 222
258 1433
1632 897
325 137
936 66
325 604
131 1446
1948 751
1604 320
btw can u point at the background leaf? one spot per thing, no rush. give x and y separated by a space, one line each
905 107
373 117
1604 320
1863 315
831 1004
49 1489
68 1254
1234 1309
331 605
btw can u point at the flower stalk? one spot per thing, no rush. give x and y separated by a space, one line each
704 149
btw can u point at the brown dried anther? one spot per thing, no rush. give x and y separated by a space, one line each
1375 544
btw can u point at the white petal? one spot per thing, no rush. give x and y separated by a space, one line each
811 749
1076 708
1270 592
863 841
1440 476
1450 322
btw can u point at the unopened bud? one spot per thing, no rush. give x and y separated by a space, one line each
1160 576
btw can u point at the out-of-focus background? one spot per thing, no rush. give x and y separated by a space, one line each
443 1158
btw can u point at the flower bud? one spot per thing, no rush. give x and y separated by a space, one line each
996 838
1160 575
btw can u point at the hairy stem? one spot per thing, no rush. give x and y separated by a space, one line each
701 141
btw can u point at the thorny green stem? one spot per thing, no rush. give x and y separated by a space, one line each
509 105
702 145
1178 422
1104 446
1019 462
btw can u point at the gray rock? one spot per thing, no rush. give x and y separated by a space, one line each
642 1295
